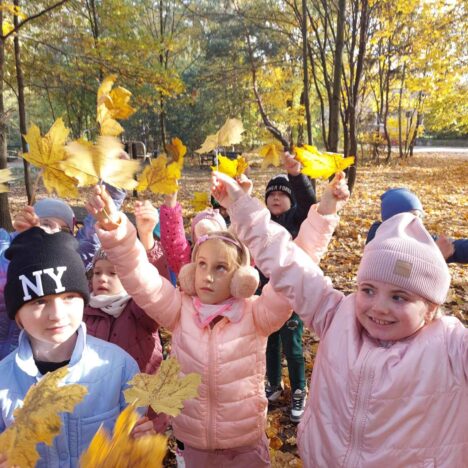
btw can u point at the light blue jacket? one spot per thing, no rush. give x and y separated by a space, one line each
102 367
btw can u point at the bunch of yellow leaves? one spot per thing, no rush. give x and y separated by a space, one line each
48 153
229 134
5 177
38 419
200 201
160 177
164 391
231 167
321 165
123 450
271 155
112 104
91 163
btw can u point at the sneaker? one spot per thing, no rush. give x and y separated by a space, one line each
298 405
273 392
179 455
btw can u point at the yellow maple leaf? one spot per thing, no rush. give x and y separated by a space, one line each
271 155
160 177
321 165
122 450
164 391
38 420
176 150
112 104
48 153
231 167
5 177
91 163
229 134
200 201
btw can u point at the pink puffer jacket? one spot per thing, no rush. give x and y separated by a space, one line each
368 406
230 410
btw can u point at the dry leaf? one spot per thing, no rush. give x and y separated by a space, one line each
320 165
200 201
164 391
38 420
229 134
176 150
231 167
48 153
159 177
5 177
122 450
271 155
91 163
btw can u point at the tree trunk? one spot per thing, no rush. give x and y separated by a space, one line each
21 106
334 122
306 72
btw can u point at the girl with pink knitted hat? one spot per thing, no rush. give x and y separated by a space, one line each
390 380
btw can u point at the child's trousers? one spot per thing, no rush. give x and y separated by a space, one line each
288 337
256 456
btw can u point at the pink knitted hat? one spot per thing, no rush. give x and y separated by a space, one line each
404 254
212 221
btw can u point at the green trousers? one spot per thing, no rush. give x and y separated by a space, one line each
289 339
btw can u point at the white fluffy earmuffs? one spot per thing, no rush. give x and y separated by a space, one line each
245 279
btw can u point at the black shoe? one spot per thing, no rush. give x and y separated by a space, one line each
273 392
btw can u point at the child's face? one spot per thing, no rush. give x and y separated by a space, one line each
105 279
215 267
278 202
388 312
52 225
52 319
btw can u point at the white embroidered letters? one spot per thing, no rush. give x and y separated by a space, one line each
38 288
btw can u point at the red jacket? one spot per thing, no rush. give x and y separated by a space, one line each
133 331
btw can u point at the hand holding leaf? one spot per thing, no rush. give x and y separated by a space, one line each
335 195
26 219
102 207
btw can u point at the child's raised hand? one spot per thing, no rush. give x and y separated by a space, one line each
170 200
26 219
4 462
102 207
335 195
227 190
292 165
142 428
445 245
146 217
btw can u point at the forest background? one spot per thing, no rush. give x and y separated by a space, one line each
363 77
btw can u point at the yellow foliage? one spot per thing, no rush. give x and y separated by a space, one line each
160 177
122 450
5 177
271 155
38 419
165 391
320 165
48 153
7 27
176 150
91 163
229 134
200 201
112 104
231 167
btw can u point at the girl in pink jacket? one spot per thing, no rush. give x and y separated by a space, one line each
390 381
219 330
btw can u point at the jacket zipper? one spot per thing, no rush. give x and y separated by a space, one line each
211 392
366 377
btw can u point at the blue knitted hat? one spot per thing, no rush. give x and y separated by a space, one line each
398 200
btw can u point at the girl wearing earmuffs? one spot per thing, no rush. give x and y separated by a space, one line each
219 330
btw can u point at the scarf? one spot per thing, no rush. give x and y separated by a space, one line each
111 305
232 309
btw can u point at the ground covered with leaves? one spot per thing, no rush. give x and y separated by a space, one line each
438 179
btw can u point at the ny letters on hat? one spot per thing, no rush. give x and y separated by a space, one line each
43 264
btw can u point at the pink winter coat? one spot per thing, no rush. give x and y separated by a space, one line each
230 410
132 330
368 406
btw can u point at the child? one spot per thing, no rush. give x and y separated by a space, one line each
401 200
45 293
174 243
219 330
288 198
389 386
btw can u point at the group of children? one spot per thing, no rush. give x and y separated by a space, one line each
389 384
